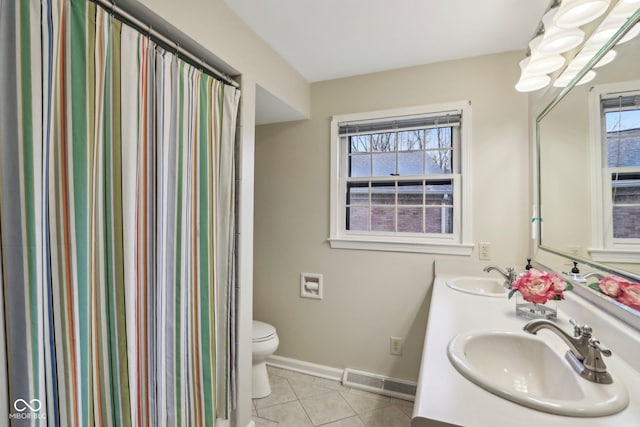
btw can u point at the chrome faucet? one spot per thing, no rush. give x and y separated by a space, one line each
585 352
600 276
510 275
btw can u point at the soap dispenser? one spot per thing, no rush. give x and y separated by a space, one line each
526 268
575 273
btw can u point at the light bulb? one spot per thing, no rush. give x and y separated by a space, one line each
558 40
540 63
528 81
573 13
624 9
566 78
631 34
605 31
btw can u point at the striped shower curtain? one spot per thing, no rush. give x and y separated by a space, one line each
116 225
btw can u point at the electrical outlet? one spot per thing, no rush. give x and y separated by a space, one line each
395 346
484 251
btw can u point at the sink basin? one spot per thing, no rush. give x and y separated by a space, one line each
523 368
487 286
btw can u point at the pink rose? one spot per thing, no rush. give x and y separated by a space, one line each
630 295
558 285
539 287
610 286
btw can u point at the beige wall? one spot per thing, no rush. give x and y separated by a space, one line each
370 296
217 28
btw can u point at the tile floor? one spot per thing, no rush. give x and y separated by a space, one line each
299 400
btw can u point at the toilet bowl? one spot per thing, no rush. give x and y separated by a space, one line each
265 342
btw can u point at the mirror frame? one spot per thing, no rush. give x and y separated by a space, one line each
544 253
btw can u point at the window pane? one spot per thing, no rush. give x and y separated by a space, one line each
624 150
439 220
357 194
410 194
358 218
626 222
360 165
383 193
625 187
440 193
410 140
623 120
384 164
439 162
626 191
360 144
438 138
410 163
623 137
383 142
410 219
383 218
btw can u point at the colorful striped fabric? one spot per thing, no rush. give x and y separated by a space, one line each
116 225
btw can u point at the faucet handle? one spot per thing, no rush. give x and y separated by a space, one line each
603 350
594 367
580 330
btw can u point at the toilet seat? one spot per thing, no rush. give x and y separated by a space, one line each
262 331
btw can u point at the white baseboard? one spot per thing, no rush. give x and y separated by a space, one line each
338 375
308 368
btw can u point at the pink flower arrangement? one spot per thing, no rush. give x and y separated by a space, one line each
610 286
621 290
538 286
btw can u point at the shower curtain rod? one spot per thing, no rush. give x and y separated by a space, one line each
113 8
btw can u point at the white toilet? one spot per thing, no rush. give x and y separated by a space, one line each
265 343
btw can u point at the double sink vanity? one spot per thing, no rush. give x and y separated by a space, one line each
481 368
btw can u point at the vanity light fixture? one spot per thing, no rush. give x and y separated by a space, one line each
544 54
558 36
607 28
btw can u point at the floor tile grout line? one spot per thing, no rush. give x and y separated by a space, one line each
340 419
340 390
300 402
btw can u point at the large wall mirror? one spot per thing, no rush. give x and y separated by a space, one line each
588 155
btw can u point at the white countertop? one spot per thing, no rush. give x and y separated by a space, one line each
444 397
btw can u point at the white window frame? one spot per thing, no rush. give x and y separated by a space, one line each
458 243
605 248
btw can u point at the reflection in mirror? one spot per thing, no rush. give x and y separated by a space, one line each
589 167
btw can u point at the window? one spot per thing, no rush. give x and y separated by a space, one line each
618 154
398 180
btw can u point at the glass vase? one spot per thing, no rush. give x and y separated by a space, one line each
529 310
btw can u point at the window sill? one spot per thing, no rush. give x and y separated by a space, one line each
623 256
377 244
